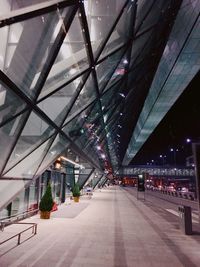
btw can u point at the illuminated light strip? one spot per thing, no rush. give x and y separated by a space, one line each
73 162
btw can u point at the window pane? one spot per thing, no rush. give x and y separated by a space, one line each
86 96
10 104
28 46
57 105
28 166
101 16
8 135
34 133
59 145
71 59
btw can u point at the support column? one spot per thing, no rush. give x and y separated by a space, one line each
63 187
196 154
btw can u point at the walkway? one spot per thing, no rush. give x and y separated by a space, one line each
112 229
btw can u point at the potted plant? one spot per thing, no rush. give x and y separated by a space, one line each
76 192
46 203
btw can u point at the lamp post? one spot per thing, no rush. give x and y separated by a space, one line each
163 160
196 154
188 147
174 150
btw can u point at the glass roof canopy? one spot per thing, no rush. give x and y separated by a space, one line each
85 75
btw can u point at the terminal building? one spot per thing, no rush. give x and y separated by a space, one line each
83 85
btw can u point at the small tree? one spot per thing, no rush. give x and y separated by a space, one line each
46 202
76 191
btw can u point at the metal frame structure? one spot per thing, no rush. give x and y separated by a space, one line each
104 75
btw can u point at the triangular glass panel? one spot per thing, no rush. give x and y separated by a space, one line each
57 105
109 98
95 114
86 97
146 19
95 180
10 104
17 5
9 133
122 32
143 9
74 128
71 59
35 132
83 176
28 166
101 15
111 122
118 74
90 135
111 112
59 145
81 129
141 48
27 47
136 78
93 125
107 68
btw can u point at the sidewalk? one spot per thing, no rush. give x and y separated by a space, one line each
112 229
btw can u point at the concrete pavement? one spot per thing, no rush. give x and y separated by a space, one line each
113 229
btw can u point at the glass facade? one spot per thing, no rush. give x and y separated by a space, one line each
95 77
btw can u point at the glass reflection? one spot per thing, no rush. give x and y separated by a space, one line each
71 59
27 167
101 16
9 132
34 133
10 104
86 96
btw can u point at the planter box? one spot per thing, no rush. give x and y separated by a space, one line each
76 199
45 214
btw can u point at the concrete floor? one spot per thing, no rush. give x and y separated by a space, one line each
111 229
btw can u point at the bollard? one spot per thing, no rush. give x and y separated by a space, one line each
185 219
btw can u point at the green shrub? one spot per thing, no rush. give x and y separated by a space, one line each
76 191
46 202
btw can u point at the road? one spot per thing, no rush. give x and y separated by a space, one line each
167 203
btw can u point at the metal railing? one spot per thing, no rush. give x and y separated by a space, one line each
16 217
18 235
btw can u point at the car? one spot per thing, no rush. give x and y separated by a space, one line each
184 189
171 188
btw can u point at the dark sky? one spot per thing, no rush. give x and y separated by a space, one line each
181 122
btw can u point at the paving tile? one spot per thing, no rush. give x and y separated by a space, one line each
110 230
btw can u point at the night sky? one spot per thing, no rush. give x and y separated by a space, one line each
180 123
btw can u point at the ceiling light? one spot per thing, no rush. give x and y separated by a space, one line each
73 162
122 95
72 71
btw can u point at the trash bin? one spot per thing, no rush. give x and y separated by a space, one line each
185 219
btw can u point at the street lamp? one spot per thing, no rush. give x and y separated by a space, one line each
174 150
162 157
188 149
